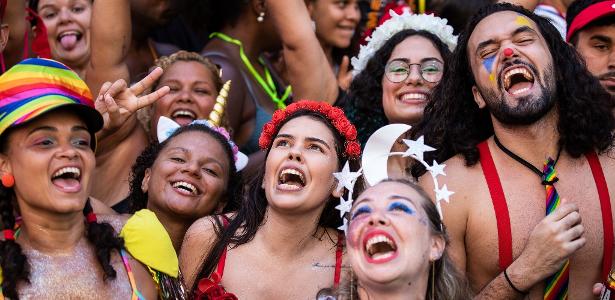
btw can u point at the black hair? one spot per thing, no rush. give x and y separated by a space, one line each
457 12
455 124
138 199
576 8
222 13
364 101
13 261
251 214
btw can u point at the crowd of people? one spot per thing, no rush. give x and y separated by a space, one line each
171 152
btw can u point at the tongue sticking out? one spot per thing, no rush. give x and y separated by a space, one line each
183 120
68 41
67 184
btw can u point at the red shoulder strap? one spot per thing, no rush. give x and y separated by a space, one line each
605 207
339 252
499 205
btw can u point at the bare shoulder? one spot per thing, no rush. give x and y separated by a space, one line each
198 241
101 208
116 220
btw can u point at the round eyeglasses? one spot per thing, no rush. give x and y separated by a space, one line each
398 70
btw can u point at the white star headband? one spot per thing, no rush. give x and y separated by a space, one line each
166 127
397 23
374 166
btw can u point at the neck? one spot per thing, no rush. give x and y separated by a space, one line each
413 290
175 227
561 8
532 142
288 235
248 33
49 232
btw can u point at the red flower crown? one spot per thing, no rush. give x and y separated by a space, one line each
335 115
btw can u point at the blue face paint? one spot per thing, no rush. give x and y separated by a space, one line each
361 210
401 207
488 63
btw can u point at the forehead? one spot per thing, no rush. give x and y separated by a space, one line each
307 126
43 3
193 70
415 48
498 26
382 192
606 30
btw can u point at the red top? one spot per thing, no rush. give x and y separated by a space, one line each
503 220
210 288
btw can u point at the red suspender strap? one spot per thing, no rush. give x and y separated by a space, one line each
605 207
499 205
339 252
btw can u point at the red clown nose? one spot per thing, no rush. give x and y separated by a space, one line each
508 52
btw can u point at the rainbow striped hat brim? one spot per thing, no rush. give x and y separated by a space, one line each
36 86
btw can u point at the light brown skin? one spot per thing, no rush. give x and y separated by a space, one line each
596 45
540 244
289 235
15 18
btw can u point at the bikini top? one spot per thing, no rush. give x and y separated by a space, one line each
148 242
503 219
210 288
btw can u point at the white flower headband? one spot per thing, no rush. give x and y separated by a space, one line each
374 170
397 23
167 127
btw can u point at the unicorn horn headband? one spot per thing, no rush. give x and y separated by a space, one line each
215 117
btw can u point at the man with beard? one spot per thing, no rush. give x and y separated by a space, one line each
528 99
591 30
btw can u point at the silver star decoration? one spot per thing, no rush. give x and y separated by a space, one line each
346 178
436 169
344 206
344 226
417 148
443 194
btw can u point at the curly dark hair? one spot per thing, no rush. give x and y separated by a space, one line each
576 8
221 13
364 101
455 124
138 199
14 263
251 214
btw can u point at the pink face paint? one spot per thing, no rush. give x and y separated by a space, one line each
354 230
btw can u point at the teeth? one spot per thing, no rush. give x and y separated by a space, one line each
66 170
379 239
514 71
185 185
293 172
414 96
520 91
72 32
184 113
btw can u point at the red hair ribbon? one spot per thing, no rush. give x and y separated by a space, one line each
9 234
91 217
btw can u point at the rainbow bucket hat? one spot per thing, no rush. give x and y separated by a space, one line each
37 86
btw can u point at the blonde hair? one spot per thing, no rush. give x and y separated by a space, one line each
165 62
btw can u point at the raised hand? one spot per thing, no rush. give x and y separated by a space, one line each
117 102
553 240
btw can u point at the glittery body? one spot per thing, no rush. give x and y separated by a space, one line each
73 274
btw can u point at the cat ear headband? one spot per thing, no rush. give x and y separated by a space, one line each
374 166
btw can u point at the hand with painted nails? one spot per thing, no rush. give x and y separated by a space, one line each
118 103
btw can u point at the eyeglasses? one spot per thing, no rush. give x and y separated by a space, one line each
398 70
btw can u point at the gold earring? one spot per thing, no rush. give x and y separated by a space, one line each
261 17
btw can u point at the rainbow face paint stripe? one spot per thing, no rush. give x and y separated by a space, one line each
488 64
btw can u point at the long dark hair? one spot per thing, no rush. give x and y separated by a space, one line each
455 124
13 261
364 100
251 214
138 199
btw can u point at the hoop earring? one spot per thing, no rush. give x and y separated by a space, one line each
261 17
8 181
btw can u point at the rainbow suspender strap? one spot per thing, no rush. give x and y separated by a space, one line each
557 284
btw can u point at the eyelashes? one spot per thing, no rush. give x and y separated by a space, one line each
360 211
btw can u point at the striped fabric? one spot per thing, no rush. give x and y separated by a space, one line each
36 86
557 284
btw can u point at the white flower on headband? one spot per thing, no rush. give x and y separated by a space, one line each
166 128
435 25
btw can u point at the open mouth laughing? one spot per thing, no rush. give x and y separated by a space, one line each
291 179
183 117
185 188
517 80
67 179
379 247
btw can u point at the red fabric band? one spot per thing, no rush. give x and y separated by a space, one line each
590 14
9 234
91 218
